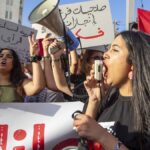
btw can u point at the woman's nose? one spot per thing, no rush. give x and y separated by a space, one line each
4 57
105 55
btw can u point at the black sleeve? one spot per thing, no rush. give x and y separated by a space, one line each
111 93
146 142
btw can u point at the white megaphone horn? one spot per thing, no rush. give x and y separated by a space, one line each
47 14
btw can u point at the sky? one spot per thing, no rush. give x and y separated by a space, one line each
117 7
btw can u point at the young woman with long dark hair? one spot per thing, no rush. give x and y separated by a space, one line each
14 85
125 110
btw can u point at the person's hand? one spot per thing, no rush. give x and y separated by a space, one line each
93 87
88 127
60 50
46 42
34 48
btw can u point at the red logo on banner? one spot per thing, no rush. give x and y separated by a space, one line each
3 136
38 137
20 134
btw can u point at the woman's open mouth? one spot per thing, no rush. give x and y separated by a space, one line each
105 71
3 62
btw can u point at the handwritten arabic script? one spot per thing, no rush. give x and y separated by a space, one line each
88 15
14 36
90 21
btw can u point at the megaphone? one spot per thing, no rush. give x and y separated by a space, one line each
47 14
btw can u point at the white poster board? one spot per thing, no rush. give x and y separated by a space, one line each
36 126
91 21
15 36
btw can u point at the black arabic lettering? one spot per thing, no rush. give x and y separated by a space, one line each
2 24
68 12
102 8
79 23
74 23
96 8
86 22
17 42
93 18
12 28
24 34
85 12
77 10
7 40
93 9
13 37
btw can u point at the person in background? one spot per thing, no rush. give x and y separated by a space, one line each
125 112
49 93
45 95
86 61
54 72
14 85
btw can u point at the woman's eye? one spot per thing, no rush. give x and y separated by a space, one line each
9 56
1 55
115 50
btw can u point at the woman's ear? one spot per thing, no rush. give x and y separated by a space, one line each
130 74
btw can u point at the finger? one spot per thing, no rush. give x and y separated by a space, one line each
29 39
77 112
48 35
33 37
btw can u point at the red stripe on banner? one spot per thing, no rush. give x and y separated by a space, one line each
19 148
3 136
38 137
143 20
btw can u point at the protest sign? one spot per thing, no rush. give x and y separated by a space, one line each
90 21
15 37
36 126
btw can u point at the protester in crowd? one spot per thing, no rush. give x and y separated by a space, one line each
14 85
86 62
55 70
49 93
127 109
46 96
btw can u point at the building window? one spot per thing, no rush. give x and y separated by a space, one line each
7 2
11 2
6 14
21 2
10 15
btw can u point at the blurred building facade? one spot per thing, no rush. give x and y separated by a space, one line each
11 10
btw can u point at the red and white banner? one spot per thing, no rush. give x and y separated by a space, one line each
37 126
143 20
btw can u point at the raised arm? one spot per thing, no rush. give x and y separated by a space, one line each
95 92
73 61
49 77
88 128
37 83
58 71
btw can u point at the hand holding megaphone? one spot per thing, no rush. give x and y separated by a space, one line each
47 14
56 47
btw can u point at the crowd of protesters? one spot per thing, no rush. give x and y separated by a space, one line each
122 96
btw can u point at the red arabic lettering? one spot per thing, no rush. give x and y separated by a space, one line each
100 33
